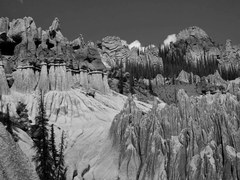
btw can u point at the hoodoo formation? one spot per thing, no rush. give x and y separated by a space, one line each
127 112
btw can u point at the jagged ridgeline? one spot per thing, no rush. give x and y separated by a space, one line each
138 61
192 50
34 59
197 138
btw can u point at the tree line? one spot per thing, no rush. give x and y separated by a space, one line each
174 62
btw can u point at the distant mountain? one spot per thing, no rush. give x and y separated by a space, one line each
192 50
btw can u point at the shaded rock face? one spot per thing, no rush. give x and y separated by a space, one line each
195 139
46 59
13 162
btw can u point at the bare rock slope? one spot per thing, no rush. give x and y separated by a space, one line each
197 139
14 164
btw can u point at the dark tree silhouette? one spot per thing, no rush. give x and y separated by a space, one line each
53 147
120 85
61 169
43 158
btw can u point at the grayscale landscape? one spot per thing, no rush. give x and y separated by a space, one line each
112 108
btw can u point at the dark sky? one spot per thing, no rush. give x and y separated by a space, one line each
149 21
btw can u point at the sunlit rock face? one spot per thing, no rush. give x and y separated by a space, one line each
14 163
195 139
45 60
170 39
69 74
115 51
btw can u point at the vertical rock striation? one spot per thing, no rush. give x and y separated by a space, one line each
197 139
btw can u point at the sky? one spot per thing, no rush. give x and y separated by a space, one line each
149 21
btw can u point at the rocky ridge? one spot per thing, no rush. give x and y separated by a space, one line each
195 139
194 44
47 60
114 51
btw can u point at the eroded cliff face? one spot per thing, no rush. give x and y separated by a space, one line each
46 60
14 164
195 139
115 51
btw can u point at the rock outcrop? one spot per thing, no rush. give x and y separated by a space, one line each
14 163
194 44
46 60
197 139
193 50
115 51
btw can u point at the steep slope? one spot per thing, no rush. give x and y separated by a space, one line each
14 164
197 139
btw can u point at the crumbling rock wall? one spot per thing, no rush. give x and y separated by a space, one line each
114 51
195 139
46 60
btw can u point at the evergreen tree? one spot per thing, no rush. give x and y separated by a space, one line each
61 170
121 78
43 157
53 147
131 79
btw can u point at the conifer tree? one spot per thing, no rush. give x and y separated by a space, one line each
121 78
43 157
53 147
61 170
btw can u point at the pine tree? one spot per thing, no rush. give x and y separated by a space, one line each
121 78
43 157
53 147
61 170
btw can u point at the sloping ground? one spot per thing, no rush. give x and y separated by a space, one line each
196 139
14 165
86 121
